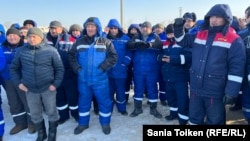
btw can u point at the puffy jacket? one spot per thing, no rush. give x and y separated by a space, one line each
180 59
40 66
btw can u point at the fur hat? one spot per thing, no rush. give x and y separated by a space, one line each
191 16
35 31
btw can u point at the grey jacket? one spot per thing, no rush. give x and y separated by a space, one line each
37 67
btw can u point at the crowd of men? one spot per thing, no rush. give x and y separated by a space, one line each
196 67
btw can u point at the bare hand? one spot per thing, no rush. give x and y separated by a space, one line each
52 88
22 87
166 59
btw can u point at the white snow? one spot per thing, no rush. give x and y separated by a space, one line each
123 128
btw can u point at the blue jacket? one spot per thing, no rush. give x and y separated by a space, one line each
92 57
218 56
177 70
245 35
2 36
124 55
2 59
2 64
145 60
9 53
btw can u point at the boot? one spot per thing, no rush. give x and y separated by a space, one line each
138 108
41 131
18 128
52 130
80 128
31 128
153 110
106 129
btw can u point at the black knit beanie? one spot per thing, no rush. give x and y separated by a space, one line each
29 22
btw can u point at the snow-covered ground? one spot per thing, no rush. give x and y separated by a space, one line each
123 128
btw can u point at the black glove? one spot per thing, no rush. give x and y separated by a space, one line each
142 45
179 27
228 100
179 22
103 67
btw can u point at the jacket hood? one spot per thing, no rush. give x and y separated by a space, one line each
219 10
136 26
93 20
114 23
3 36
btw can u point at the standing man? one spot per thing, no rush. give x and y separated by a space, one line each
91 57
159 30
2 123
37 70
245 35
118 73
145 68
218 60
16 98
175 65
67 93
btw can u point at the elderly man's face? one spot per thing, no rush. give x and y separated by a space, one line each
216 21
91 30
55 31
146 30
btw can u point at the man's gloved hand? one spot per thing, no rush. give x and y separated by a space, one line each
229 100
179 22
179 27
103 67
142 45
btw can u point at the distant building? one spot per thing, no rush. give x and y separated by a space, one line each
44 29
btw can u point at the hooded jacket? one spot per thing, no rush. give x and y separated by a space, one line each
218 56
92 57
124 56
2 36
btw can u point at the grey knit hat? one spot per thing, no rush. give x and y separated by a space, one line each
35 31
75 27
55 24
